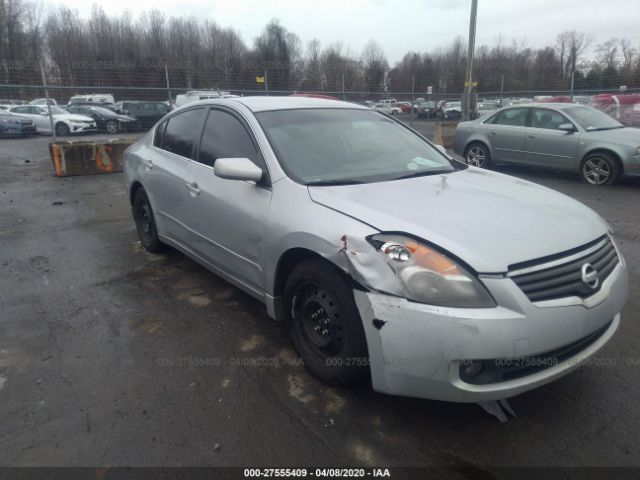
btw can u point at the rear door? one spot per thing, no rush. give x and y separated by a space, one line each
546 145
506 131
168 176
228 216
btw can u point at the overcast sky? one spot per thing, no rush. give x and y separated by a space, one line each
402 25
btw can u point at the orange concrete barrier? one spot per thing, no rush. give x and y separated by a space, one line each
88 157
444 133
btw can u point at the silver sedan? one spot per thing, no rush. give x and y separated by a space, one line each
383 256
561 136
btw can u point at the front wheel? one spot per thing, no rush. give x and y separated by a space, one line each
477 155
62 130
324 323
599 169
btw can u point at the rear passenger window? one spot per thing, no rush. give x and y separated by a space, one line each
182 131
226 137
159 135
515 117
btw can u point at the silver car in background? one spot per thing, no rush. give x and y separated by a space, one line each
385 257
562 136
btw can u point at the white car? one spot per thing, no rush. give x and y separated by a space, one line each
65 123
43 101
386 108
95 98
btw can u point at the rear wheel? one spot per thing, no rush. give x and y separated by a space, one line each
62 129
600 169
112 126
145 223
478 155
324 323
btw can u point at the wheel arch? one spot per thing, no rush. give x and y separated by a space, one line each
615 155
135 186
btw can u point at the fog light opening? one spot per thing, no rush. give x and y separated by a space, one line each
472 368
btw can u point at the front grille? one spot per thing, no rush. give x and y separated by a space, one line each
552 277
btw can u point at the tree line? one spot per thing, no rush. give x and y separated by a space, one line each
111 51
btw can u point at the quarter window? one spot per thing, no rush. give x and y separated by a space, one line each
181 132
514 117
226 137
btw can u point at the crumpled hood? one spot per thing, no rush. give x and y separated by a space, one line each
487 219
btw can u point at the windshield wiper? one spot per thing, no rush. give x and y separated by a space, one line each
598 129
423 173
325 183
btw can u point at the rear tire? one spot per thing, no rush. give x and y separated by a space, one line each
600 169
477 154
146 224
62 129
324 323
112 127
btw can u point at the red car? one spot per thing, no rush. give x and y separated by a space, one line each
624 108
404 106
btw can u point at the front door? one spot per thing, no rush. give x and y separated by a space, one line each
546 145
228 216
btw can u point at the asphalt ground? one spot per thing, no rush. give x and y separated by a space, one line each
111 356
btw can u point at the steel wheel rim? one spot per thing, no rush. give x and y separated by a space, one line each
476 156
318 321
112 127
596 171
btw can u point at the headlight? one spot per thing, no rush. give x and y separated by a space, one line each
429 276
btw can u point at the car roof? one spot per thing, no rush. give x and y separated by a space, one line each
263 104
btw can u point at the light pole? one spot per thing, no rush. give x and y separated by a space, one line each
468 82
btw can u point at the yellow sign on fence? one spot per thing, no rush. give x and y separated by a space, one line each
260 79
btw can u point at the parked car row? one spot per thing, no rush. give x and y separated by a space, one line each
562 136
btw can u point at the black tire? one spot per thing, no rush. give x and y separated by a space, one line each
394 113
324 323
62 129
477 154
112 126
146 224
600 168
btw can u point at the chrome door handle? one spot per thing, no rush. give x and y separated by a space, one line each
531 136
493 133
147 163
193 189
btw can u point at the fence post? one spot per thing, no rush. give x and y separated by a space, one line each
166 76
266 84
46 95
344 98
501 88
413 84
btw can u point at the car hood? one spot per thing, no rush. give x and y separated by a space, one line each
487 219
625 136
73 116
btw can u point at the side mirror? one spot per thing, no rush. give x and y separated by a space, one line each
567 127
44 114
237 169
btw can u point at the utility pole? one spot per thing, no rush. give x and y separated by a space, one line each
413 84
468 87
573 74
166 76
266 85
46 94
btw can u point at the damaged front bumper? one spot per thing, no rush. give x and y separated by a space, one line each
423 351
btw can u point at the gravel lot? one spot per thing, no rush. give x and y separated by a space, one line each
113 356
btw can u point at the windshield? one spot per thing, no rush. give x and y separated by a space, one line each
56 110
317 146
592 119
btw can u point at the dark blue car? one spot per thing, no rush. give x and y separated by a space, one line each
15 125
